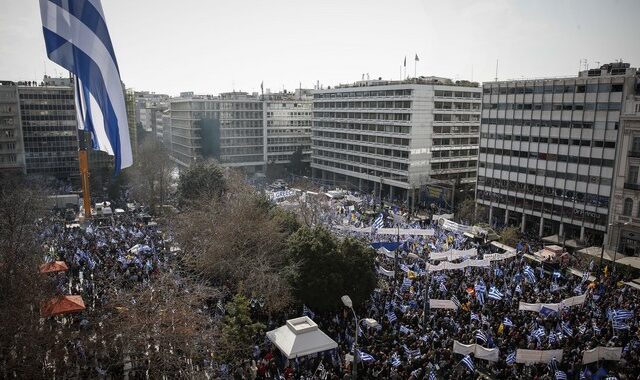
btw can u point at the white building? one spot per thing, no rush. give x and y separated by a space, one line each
624 220
547 151
395 137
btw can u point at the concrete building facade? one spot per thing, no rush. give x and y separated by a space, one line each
393 138
548 150
12 157
288 125
624 220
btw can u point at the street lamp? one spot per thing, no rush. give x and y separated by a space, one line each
370 322
616 251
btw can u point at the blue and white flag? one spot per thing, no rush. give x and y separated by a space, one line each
582 328
432 375
378 222
595 328
507 322
395 360
585 276
443 288
495 294
619 325
481 336
518 289
391 316
364 357
553 364
529 274
475 317
620 315
560 375
406 282
511 358
566 329
306 311
538 333
77 38
468 362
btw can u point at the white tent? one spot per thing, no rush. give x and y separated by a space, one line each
300 337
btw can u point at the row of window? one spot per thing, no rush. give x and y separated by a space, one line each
453 165
364 127
386 152
48 117
457 94
553 123
615 106
364 170
575 213
548 157
455 141
363 94
362 137
548 173
365 115
550 88
289 140
454 153
456 117
456 106
461 129
239 151
47 107
548 140
49 95
372 161
391 104
289 148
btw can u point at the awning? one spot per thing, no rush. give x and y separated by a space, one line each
300 337
631 261
608 253
53 267
62 305
504 247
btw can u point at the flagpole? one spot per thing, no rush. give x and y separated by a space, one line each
84 177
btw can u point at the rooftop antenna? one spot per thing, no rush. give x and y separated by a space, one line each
496 70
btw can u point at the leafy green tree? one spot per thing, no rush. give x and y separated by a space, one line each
470 212
201 181
328 268
239 331
297 166
510 236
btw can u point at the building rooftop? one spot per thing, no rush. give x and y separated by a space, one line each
420 81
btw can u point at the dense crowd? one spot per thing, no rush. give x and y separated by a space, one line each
124 251
407 344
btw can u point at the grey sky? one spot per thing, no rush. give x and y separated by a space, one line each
211 46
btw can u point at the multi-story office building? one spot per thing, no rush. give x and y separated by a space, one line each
11 145
624 220
228 128
548 148
288 126
395 137
49 129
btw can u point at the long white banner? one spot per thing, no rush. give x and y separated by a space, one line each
499 256
452 266
601 353
453 226
454 254
568 302
490 354
537 356
442 304
384 272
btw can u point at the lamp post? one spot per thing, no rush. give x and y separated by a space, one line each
346 300
602 250
615 254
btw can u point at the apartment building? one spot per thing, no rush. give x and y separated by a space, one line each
12 157
548 150
394 138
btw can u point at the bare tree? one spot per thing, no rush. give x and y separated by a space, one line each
150 177
235 240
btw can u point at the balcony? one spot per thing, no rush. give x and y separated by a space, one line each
634 154
631 186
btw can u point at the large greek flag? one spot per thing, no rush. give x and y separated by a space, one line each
76 37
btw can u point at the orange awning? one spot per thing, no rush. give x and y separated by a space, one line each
62 305
53 267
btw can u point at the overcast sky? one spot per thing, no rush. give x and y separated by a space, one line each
212 46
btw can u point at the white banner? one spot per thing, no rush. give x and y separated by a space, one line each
442 216
453 254
442 304
601 353
406 231
568 302
384 272
453 226
490 354
573 301
386 252
499 256
537 356
535 307
452 266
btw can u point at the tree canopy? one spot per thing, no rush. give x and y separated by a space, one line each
201 181
328 268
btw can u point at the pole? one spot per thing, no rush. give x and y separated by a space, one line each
355 347
84 177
